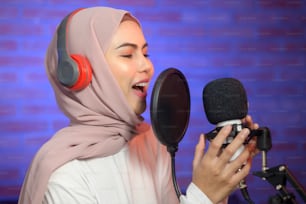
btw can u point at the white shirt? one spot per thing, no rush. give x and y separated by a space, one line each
139 174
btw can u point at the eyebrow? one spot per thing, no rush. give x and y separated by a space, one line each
131 45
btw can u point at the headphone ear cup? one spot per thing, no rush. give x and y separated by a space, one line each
67 71
73 71
85 72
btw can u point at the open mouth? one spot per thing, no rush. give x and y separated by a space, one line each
140 86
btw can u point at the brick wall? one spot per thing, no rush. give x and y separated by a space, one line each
261 43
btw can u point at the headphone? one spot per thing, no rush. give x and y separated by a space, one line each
73 71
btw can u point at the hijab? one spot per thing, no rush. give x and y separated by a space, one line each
101 120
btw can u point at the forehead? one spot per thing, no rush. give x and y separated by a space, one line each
128 31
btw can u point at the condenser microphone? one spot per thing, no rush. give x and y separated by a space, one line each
225 103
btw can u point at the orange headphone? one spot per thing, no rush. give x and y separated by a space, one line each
73 71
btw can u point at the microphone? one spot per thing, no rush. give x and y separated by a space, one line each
225 103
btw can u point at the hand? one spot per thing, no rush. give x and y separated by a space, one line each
213 172
248 122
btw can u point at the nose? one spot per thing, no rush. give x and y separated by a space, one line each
146 65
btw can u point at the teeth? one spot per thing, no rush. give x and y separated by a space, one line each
142 84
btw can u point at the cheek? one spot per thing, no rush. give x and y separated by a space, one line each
120 70
123 76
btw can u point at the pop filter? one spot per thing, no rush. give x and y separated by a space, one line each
170 107
170 110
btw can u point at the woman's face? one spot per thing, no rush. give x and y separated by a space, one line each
128 59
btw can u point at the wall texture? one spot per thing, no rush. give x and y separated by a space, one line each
262 43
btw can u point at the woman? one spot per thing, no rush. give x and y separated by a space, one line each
108 154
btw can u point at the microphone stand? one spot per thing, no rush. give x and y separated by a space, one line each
277 176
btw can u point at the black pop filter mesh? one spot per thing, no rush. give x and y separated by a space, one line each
224 99
170 107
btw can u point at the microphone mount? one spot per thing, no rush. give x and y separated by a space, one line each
236 128
277 176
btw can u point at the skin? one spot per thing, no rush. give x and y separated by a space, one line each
213 172
128 60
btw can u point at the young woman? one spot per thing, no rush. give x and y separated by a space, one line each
108 154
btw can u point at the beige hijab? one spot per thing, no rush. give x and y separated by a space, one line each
101 121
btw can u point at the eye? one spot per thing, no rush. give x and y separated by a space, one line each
127 56
146 55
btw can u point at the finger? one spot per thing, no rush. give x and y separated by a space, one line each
230 150
199 150
255 126
247 119
249 123
217 142
240 160
243 172
252 147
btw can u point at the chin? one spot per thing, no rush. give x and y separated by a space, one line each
140 109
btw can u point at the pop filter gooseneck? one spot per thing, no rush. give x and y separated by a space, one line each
169 111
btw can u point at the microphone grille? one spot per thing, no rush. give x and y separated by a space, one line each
224 99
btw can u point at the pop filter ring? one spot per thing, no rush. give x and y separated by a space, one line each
170 107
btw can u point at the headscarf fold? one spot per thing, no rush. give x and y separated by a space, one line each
101 120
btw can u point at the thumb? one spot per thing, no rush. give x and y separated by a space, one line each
199 150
